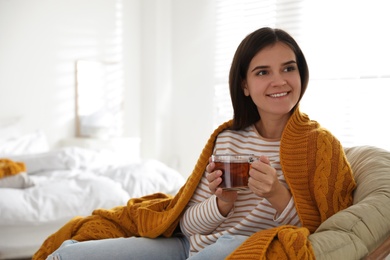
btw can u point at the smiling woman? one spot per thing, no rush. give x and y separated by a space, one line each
274 84
337 51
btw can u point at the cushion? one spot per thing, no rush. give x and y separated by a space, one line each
356 231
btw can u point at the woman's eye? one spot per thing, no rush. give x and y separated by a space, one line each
262 72
290 68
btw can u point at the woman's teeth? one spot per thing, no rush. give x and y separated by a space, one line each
278 94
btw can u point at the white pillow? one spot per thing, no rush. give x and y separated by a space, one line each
34 142
17 181
68 158
48 161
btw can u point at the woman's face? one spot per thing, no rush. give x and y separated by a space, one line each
273 80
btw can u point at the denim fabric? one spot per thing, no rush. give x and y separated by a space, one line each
173 248
224 246
124 249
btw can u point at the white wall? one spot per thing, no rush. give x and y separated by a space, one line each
177 80
164 47
193 79
40 42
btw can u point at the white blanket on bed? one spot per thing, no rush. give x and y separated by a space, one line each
75 181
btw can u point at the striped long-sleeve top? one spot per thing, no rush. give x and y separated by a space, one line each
203 224
315 167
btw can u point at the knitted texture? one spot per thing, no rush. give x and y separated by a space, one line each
284 242
9 168
320 184
316 170
149 216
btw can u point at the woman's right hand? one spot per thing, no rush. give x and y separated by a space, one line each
225 199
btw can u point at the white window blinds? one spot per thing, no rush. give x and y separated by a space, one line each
347 49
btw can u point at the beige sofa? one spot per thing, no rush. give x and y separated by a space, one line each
361 231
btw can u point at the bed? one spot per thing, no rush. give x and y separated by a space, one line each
58 184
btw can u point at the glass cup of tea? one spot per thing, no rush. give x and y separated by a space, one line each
235 170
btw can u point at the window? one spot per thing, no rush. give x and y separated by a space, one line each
346 46
99 99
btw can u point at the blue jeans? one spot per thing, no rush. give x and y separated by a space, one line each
172 248
224 246
136 248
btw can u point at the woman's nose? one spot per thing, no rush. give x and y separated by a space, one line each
278 80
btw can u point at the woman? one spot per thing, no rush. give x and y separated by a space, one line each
300 179
268 77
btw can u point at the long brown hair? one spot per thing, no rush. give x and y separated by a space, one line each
245 110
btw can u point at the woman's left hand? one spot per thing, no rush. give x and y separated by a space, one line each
264 183
263 179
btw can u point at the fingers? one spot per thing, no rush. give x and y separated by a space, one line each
262 165
210 166
214 179
263 177
264 159
225 198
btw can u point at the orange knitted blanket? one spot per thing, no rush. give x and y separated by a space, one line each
9 168
315 168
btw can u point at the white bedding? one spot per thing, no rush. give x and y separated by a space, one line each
69 182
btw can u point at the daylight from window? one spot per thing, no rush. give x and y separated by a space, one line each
346 47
